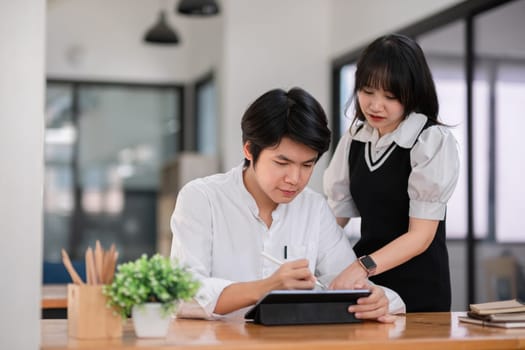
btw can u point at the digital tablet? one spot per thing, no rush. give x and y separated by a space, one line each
305 307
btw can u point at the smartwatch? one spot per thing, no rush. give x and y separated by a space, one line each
368 264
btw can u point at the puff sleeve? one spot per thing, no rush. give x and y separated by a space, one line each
336 181
435 171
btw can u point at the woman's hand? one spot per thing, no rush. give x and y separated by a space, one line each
293 275
347 279
374 306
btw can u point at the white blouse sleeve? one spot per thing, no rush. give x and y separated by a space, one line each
192 245
435 171
336 181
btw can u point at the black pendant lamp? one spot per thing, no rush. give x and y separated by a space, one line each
161 32
198 7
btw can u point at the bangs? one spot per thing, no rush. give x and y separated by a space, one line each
377 77
385 70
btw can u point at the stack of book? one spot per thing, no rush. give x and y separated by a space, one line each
503 314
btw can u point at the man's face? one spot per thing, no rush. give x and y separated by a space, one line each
281 172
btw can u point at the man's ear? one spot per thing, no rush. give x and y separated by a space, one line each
246 151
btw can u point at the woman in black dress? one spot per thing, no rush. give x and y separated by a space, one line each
396 168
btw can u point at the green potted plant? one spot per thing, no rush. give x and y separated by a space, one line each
150 289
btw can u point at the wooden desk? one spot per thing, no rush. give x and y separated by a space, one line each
428 331
54 296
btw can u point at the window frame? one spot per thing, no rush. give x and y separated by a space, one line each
75 86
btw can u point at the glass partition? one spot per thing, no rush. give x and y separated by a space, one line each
120 137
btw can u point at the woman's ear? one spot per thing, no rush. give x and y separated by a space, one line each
246 151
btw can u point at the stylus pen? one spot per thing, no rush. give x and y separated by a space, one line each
279 262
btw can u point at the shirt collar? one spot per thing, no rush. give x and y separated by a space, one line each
405 135
247 197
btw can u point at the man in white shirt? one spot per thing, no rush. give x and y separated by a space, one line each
222 223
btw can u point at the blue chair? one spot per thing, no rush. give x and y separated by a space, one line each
56 273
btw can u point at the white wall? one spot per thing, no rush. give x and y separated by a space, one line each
269 44
102 40
205 42
21 143
357 22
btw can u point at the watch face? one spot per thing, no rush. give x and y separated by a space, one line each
368 262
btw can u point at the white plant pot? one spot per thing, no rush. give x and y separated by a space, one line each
149 321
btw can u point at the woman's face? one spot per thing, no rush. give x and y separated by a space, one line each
381 109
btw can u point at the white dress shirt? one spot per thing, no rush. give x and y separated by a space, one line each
218 233
434 159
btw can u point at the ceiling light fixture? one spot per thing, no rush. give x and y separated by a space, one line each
161 32
198 7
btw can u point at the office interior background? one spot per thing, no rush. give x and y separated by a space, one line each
101 128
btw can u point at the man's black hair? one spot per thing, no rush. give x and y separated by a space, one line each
277 113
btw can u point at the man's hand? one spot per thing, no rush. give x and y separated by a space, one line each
293 275
290 275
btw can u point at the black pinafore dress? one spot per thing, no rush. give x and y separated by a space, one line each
381 196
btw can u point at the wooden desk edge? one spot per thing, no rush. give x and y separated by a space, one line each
57 339
58 303
54 296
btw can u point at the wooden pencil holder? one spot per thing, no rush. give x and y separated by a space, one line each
88 317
